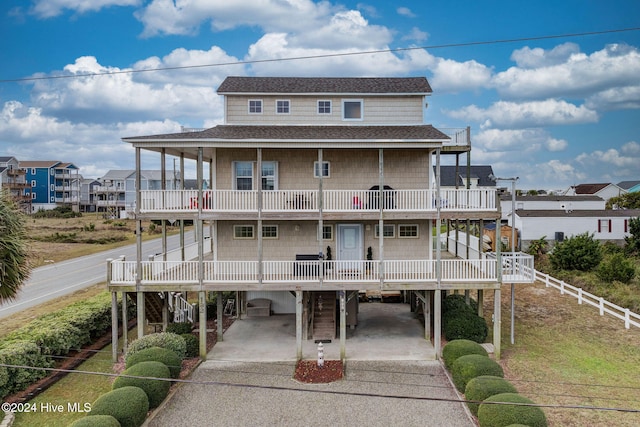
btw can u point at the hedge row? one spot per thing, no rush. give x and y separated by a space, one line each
143 385
53 334
481 380
461 321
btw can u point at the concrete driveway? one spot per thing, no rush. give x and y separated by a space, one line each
391 378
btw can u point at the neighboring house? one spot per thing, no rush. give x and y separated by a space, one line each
88 194
630 186
550 203
52 183
13 180
303 168
604 190
456 177
116 194
557 225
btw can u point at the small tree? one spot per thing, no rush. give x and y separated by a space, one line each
632 242
581 252
14 267
538 247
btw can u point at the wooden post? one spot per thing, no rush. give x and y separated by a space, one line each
426 310
220 310
299 319
202 314
343 325
125 324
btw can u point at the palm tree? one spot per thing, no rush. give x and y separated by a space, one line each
14 267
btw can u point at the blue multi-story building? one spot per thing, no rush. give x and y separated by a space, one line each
52 183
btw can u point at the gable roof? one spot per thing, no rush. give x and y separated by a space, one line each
602 213
448 176
325 85
627 184
590 188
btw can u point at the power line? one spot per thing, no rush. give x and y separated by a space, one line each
328 55
331 392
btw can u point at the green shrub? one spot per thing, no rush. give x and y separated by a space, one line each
96 421
483 387
22 353
456 348
193 345
156 354
499 415
616 267
156 390
455 302
128 405
180 328
463 324
473 365
168 340
581 252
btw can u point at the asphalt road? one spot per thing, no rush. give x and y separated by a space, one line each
65 277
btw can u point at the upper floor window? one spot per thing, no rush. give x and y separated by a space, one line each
325 169
243 175
33 171
324 107
352 109
255 106
283 106
269 175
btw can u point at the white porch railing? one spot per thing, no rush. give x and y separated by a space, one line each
393 271
183 311
307 200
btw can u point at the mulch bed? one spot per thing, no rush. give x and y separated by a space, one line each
308 371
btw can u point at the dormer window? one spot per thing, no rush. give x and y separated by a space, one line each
255 106
351 109
324 107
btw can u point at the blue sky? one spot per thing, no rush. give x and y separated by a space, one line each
555 111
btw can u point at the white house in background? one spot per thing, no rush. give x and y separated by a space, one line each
557 225
550 203
602 190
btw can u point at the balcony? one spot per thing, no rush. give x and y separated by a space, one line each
334 201
456 274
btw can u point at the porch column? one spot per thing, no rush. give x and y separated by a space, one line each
114 323
139 294
381 202
125 324
320 218
163 186
437 321
182 220
299 323
497 295
202 319
343 325
259 227
437 313
219 313
202 303
426 311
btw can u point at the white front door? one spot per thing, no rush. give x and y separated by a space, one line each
350 245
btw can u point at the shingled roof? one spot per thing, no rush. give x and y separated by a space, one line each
300 133
325 85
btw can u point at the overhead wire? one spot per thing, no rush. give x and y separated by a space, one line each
321 56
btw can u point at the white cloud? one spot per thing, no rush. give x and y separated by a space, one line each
620 98
579 75
521 140
621 162
416 35
453 76
550 112
405 11
51 8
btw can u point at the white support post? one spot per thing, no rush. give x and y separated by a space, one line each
343 325
202 318
299 324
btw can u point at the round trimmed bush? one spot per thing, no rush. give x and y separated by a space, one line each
180 328
462 324
473 365
156 390
483 387
498 415
128 405
193 345
168 340
96 421
456 348
157 354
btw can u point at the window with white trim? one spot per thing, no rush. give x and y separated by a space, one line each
324 107
270 231
604 226
33 171
283 106
389 231
325 170
243 176
327 232
352 109
269 175
408 231
243 232
255 106
33 182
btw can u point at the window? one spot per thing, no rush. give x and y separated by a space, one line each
269 175
269 231
324 107
327 232
33 182
389 231
325 170
243 175
604 226
255 106
351 109
33 171
282 106
243 231
408 231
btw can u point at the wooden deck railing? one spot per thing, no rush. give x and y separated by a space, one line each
307 200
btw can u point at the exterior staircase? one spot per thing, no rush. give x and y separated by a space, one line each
324 316
154 301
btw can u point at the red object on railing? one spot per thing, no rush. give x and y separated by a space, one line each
357 204
193 203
